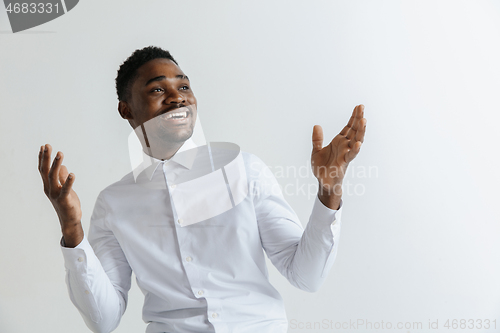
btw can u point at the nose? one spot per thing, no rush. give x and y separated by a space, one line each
175 97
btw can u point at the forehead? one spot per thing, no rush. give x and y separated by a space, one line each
157 67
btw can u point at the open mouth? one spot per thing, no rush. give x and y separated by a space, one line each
177 115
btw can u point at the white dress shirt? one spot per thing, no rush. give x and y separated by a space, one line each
208 276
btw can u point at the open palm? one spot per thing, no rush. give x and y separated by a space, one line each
329 163
58 186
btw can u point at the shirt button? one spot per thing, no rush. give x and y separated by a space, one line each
188 259
173 186
80 259
215 315
179 221
87 292
200 292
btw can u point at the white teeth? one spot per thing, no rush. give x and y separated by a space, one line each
176 114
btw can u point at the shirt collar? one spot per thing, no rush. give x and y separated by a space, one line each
186 159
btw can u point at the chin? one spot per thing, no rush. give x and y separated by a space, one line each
179 137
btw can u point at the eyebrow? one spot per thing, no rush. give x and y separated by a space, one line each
163 77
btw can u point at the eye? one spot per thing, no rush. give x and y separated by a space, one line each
157 90
185 88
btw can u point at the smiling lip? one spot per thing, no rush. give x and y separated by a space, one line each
177 116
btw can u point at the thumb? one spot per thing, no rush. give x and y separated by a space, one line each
63 174
317 138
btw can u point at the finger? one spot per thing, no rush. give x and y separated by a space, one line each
351 135
358 114
68 184
317 138
40 155
63 174
45 167
54 172
358 132
352 153
345 130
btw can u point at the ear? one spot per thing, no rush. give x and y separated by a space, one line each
124 110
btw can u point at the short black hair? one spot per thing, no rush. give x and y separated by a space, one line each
128 70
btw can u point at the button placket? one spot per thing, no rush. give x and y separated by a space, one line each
214 309
171 187
187 260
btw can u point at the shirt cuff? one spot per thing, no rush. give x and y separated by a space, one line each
63 243
324 216
76 258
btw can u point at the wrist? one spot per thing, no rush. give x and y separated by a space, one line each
330 195
72 234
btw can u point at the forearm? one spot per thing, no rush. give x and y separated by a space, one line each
304 257
313 257
72 234
90 289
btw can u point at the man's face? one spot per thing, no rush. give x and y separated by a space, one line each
161 100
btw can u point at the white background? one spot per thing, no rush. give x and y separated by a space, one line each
420 238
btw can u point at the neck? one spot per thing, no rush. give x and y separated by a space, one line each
162 151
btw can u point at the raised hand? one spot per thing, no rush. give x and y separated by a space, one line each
329 163
57 185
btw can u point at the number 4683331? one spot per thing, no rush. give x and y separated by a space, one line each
470 324
32 8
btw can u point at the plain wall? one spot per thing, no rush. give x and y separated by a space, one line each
420 229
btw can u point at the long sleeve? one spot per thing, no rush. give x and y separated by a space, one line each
304 257
98 276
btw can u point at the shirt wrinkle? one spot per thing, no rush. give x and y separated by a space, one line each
197 277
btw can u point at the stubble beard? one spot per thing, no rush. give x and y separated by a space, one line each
166 136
